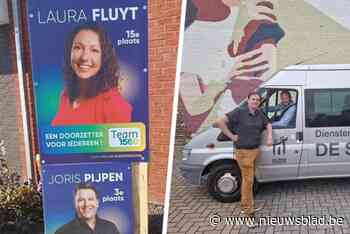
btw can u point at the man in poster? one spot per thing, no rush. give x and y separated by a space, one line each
87 221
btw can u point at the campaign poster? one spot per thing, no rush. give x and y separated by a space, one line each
90 74
76 195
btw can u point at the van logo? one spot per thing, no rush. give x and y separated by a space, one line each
279 146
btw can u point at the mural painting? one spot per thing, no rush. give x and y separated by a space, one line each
232 46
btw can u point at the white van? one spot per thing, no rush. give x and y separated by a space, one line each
315 144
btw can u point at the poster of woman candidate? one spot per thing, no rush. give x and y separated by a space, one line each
88 198
90 75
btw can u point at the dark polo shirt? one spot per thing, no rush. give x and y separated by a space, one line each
78 226
247 126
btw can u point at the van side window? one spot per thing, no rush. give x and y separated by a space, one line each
327 107
280 106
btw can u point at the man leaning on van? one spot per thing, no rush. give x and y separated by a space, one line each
248 123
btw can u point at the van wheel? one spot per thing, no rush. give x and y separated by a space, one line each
224 183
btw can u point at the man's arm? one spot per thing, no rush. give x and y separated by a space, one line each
286 118
222 124
269 134
274 108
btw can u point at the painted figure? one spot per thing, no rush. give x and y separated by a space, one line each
230 47
235 66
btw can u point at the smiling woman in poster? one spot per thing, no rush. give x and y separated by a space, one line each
91 74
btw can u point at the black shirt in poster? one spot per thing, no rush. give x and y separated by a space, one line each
78 226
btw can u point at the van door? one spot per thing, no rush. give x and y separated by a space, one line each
282 160
326 133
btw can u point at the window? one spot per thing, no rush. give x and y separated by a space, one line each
4 15
5 50
280 106
327 107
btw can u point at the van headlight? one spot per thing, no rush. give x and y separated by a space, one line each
186 153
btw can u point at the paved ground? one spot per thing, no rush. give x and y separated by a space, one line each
191 206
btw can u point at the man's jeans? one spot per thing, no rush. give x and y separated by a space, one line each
246 161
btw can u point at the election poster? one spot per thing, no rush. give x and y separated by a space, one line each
90 75
84 198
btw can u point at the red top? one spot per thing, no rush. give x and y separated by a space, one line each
107 107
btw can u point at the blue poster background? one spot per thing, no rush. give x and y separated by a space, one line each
60 180
50 23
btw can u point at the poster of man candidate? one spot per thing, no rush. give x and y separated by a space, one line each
88 198
90 74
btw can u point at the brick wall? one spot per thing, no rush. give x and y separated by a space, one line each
11 117
164 24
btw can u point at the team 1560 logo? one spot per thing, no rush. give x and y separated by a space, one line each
124 137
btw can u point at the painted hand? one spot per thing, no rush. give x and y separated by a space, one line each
259 61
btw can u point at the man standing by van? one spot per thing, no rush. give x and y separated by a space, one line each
248 123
